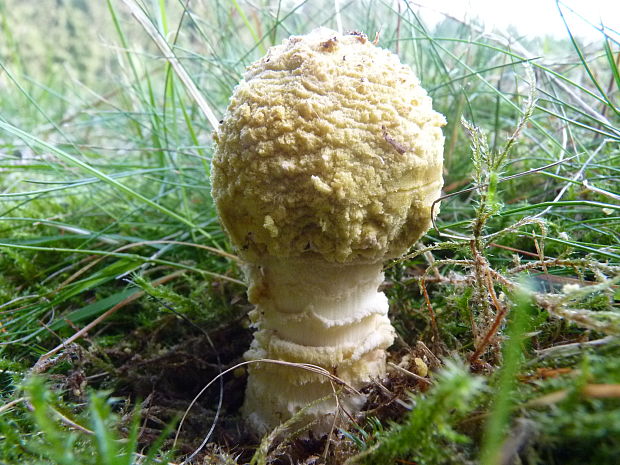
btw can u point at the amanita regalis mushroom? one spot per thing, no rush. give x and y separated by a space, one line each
327 162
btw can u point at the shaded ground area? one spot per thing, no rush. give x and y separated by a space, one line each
165 367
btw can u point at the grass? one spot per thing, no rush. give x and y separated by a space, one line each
120 297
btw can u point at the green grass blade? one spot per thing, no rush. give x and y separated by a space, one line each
498 421
99 174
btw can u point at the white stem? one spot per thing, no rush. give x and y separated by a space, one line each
311 311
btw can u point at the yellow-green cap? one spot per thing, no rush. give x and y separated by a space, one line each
329 148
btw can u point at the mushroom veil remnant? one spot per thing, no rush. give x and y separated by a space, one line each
327 162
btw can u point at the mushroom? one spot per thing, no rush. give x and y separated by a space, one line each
326 164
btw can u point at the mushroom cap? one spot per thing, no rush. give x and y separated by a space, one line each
329 148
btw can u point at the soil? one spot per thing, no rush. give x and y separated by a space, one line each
164 368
